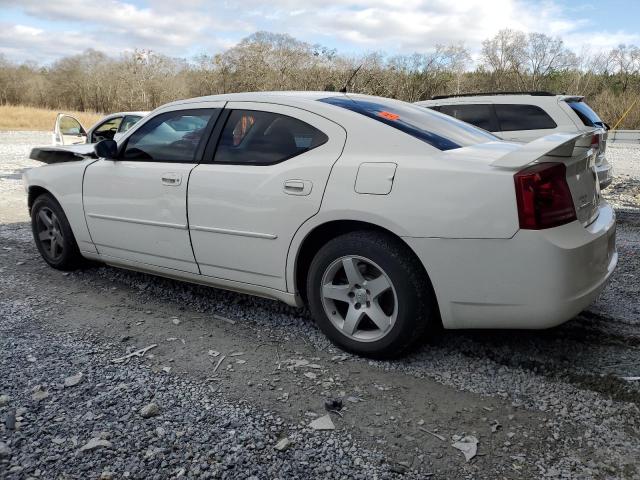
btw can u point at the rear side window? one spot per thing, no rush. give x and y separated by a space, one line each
523 117
440 131
252 137
480 115
169 137
128 122
588 117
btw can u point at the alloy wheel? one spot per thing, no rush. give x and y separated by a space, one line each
359 298
50 234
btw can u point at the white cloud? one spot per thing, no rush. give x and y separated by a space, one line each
418 25
114 26
183 27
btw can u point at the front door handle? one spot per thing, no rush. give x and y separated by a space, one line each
297 187
171 179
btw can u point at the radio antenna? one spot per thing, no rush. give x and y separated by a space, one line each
346 85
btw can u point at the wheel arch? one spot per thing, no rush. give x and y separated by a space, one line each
61 189
323 232
34 192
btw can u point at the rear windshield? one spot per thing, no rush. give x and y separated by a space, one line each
588 116
438 130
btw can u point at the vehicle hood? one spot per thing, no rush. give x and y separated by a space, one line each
67 153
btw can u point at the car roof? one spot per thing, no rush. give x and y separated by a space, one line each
117 114
286 97
499 98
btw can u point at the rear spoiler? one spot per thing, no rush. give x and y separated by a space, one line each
70 153
555 145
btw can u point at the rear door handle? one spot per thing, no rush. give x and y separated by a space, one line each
171 179
297 187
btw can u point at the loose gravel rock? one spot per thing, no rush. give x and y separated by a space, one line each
201 433
73 380
150 410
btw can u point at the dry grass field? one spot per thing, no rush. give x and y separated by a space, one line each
31 118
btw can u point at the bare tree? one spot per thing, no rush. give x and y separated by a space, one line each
510 60
504 55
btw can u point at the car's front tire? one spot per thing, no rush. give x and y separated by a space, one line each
368 294
52 234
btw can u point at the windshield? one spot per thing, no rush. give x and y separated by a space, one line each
588 116
438 130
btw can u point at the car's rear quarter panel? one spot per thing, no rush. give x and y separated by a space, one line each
452 194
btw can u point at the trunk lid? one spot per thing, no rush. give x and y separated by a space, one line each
576 152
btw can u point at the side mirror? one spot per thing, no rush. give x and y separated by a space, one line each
106 149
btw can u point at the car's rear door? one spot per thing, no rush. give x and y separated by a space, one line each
523 123
266 177
136 206
127 122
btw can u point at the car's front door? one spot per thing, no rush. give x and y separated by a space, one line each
136 205
68 131
106 130
266 178
481 115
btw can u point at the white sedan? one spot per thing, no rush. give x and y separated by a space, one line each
384 218
68 130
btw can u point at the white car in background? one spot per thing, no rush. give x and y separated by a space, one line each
523 117
68 130
383 217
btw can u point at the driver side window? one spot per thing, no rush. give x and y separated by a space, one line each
107 130
169 137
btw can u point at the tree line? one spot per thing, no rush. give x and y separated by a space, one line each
509 61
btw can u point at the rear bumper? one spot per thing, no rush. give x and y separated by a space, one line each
605 172
537 279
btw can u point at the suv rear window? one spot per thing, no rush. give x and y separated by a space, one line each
480 115
440 131
522 117
588 116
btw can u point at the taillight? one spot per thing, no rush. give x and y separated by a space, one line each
595 141
543 196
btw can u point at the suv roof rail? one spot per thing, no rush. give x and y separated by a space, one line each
480 94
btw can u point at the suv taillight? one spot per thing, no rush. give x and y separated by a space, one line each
595 141
543 196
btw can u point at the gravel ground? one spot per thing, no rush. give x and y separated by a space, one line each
541 404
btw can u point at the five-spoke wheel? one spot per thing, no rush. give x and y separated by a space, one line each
369 293
50 233
53 235
359 299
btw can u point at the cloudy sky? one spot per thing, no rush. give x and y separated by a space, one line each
44 30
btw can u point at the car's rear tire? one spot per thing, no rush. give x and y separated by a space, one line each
52 234
368 295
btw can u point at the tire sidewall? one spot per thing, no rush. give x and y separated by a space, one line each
393 261
70 255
